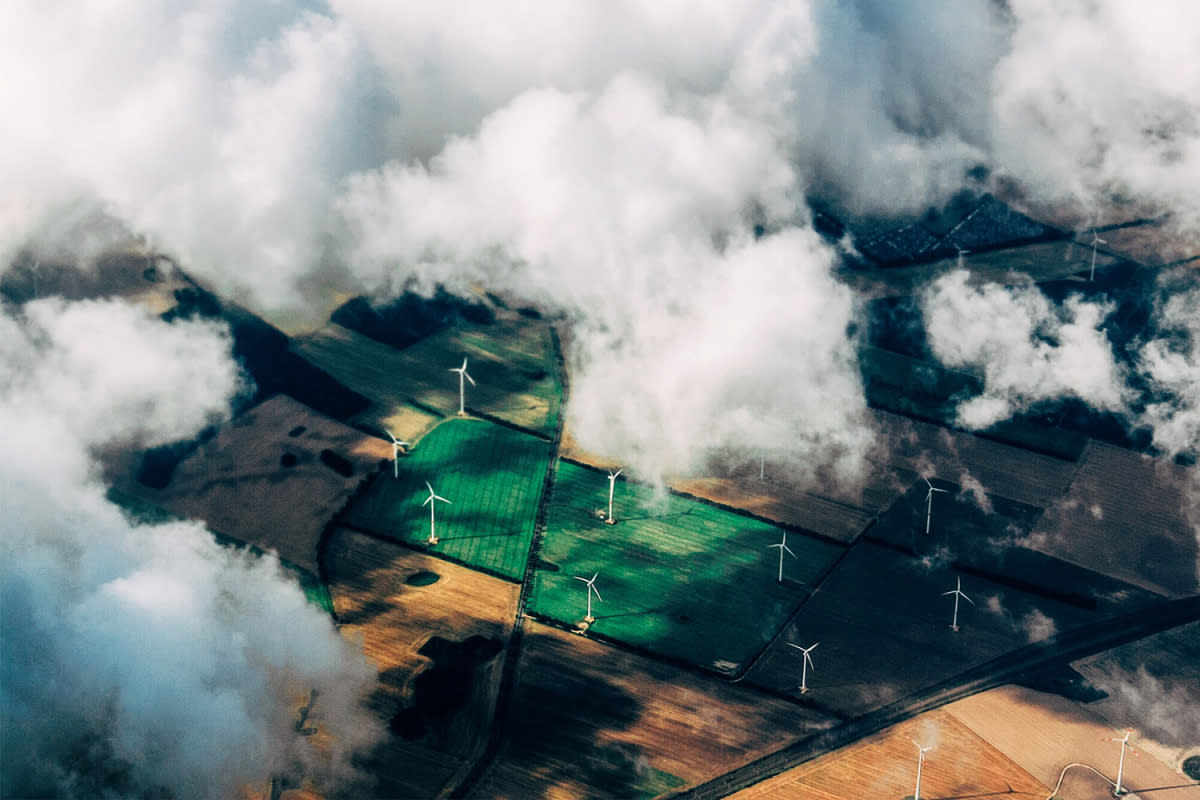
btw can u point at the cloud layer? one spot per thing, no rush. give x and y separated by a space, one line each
139 657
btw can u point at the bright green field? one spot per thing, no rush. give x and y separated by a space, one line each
684 578
493 478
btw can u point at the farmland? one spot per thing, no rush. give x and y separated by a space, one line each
893 607
677 576
962 764
492 476
590 721
294 468
420 616
512 360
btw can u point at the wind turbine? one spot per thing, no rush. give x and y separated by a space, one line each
762 465
921 751
396 445
1121 767
591 587
805 664
929 503
1095 241
961 253
431 501
782 549
612 481
957 592
462 389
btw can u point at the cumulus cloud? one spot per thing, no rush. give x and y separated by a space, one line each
219 130
633 217
1097 103
1171 363
1026 347
139 659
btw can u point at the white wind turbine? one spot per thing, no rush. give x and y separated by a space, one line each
1121 767
396 445
612 482
431 501
957 592
462 388
591 588
961 253
805 664
782 549
929 503
921 751
1095 241
36 271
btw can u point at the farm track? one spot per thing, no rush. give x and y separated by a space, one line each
512 654
1010 667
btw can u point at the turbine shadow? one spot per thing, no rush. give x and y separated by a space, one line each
658 610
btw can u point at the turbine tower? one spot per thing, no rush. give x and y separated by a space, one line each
396 445
805 664
1095 241
462 389
1121 766
957 592
36 270
612 481
929 503
782 549
921 751
431 501
591 588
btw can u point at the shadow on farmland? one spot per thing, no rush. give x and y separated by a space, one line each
563 716
443 690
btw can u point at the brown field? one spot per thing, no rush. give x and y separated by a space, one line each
237 485
394 620
1044 732
1151 244
121 272
1124 517
591 721
883 767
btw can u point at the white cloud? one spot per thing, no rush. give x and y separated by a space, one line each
138 656
1025 347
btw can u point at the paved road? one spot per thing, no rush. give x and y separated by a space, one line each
1014 666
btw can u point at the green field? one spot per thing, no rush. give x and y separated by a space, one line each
680 577
493 478
513 363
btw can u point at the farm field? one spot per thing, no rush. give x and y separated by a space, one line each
883 625
512 360
438 646
1044 732
677 576
591 721
883 767
1153 685
492 476
1115 493
273 478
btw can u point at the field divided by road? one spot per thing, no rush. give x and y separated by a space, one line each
493 478
676 576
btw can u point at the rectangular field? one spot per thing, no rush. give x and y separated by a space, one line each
676 576
397 602
591 721
512 360
492 477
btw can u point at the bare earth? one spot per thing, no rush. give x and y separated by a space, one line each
394 619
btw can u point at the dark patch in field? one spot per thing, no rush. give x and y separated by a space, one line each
1062 680
288 460
410 317
339 464
422 578
1191 767
445 688
296 431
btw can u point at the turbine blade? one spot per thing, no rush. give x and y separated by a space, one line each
798 647
594 576
444 500
464 366
943 491
969 600
952 591
927 483
790 553
808 658
467 375
430 488
597 591
428 500
585 580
